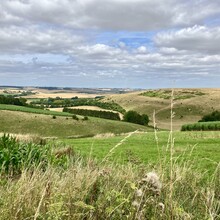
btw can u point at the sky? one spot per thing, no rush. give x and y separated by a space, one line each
110 43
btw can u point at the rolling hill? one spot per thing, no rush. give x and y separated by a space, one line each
44 125
190 104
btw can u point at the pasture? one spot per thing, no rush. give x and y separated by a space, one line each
203 148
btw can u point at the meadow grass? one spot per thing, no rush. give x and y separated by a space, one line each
202 147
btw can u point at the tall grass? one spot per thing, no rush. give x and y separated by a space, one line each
86 190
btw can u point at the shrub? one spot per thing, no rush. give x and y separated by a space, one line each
85 118
75 117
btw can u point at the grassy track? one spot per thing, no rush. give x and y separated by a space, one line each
141 148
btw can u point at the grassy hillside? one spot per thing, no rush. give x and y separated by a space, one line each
44 125
32 110
190 104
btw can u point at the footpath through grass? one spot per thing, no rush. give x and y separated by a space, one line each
202 147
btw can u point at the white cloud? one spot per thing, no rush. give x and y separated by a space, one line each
99 50
142 49
196 38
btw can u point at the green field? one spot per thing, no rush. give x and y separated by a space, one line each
142 148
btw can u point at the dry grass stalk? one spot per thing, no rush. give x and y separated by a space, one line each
117 145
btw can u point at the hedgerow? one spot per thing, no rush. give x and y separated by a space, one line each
202 126
94 113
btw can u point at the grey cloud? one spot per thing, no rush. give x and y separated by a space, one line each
112 14
33 40
197 38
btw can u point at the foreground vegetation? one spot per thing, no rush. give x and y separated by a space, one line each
60 184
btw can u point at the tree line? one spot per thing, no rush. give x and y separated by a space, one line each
10 100
94 113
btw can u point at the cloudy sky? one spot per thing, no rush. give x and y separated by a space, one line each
110 43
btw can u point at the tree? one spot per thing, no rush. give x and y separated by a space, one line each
134 117
214 116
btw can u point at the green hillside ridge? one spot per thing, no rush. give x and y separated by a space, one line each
44 125
32 110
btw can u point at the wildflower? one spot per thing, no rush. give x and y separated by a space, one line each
139 193
135 204
153 181
161 206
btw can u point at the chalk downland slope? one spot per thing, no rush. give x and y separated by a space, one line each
189 107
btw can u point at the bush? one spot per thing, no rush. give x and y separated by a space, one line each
134 117
85 118
75 117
